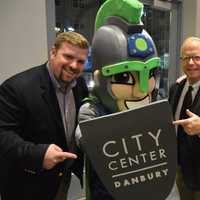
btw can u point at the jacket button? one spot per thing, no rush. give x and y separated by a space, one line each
60 174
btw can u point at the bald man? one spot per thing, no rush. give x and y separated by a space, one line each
187 120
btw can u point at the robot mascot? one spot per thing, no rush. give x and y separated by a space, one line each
124 67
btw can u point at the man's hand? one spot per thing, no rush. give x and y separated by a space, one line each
191 125
55 155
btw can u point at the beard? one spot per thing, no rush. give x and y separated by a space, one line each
72 73
71 70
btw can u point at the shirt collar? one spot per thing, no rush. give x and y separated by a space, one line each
195 85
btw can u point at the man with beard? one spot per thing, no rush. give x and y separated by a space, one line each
38 110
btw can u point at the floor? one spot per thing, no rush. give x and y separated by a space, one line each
75 191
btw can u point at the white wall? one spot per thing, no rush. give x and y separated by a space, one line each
198 19
190 18
25 34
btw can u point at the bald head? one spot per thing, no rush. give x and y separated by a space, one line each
190 41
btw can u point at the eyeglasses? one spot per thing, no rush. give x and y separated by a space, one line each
187 58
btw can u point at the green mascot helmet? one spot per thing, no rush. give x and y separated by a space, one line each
121 45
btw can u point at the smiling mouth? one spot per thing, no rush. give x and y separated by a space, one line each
137 103
71 73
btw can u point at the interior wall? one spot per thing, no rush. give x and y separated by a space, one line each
24 34
198 19
190 19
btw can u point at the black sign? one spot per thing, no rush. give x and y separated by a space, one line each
133 152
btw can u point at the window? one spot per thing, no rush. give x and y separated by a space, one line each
78 4
78 27
57 2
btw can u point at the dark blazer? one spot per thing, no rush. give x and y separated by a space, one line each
30 120
189 145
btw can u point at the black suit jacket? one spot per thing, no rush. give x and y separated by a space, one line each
30 120
190 145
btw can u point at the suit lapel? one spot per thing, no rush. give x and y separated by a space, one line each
196 102
177 95
49 95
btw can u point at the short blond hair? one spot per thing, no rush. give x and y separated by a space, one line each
72 38
189 39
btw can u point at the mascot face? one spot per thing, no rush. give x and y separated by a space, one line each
126 89
125 67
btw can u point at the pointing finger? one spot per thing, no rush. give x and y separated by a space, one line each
181 122
190 114
66 155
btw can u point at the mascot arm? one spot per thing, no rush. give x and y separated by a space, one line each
87 111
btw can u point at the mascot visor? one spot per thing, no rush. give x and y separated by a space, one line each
128 66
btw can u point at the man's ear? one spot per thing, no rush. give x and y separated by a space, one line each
96 75
53 51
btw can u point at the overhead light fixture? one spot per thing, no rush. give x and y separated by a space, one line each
57 29
69 28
